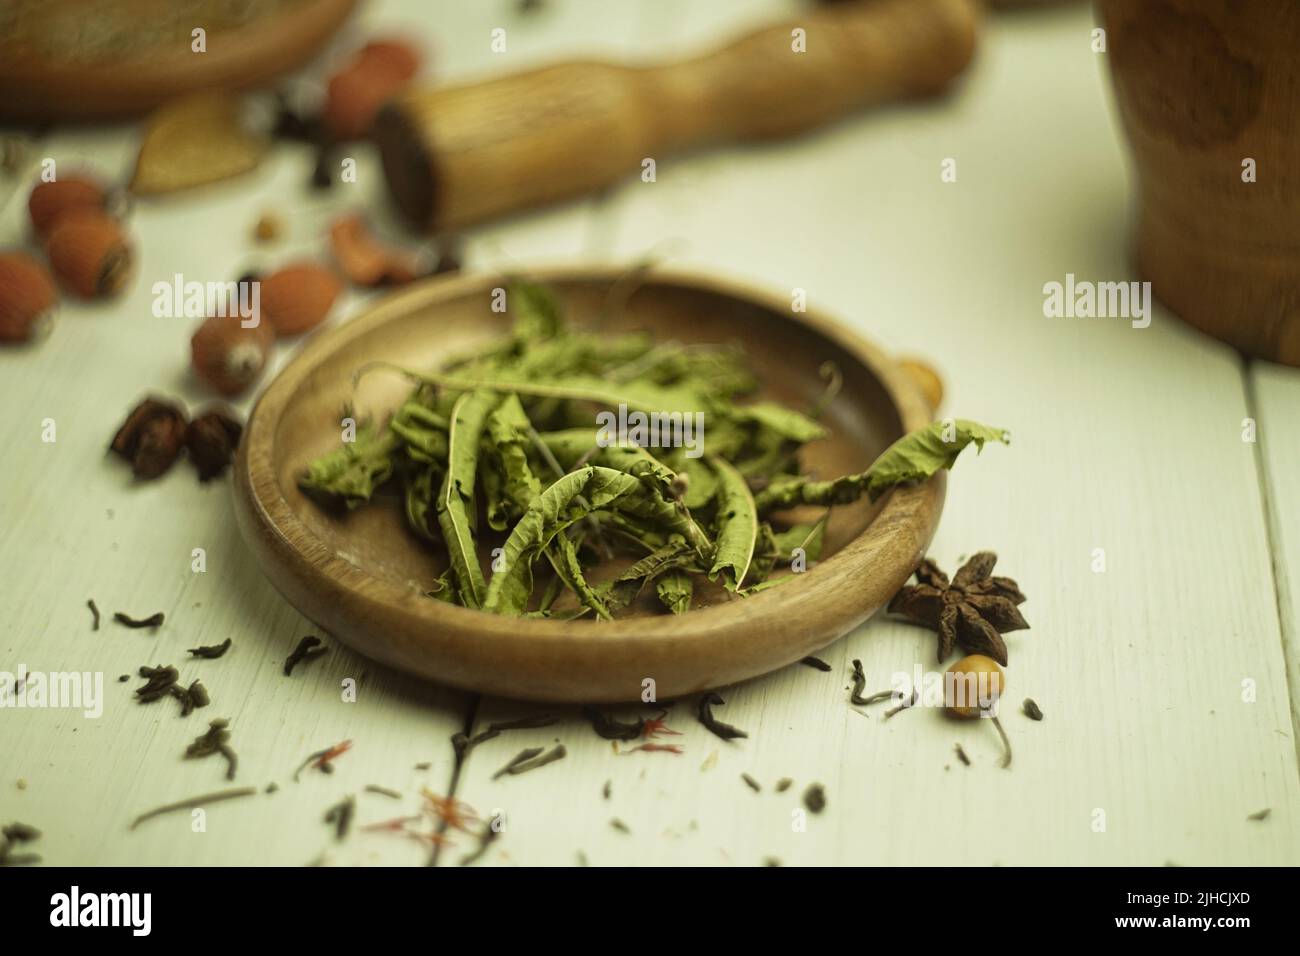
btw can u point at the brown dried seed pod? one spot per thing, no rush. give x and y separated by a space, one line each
27 297
229 356
211 441
299 297
49 202
151 437
89 253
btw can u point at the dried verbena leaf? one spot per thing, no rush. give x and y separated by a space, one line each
350 475
455 501
786 422
914 457
809 538
624 589
564 559
737 531
195 140
675 590
536 312
508 428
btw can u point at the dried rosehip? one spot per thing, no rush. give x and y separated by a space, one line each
151 437
211 441
228 355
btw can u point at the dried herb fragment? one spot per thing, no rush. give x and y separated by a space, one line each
194 696
340 815
783 784
904 705
814 798
212 651
324 759
620 826
462 743
523 766
11 837
487 836
1031 709
153 620
972 611
717 727
523 756
607 789
160 681
192 802
151 437
961 754
651 748
609 728
215 741
1260 815
655 726
751 783
383 791
94 611
860 684
816 663
308 647
211 440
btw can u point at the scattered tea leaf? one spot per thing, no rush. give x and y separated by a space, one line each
816 663
152 621
751 783
1032 710
340 815
715 726
814 798
193 802
94 611
308 647
212 651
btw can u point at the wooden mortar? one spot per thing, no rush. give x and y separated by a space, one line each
458 156
1203 85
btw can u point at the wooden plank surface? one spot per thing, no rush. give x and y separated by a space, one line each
1125 439
1275 394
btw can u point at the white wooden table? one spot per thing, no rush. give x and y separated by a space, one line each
1125 440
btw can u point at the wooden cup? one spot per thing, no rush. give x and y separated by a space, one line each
1209 93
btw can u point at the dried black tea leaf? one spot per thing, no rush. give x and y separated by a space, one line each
717 727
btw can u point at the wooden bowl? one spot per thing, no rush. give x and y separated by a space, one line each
1209 94
131 63
361 577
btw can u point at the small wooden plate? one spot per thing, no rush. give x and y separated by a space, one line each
361 577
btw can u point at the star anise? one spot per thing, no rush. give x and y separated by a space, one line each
973 611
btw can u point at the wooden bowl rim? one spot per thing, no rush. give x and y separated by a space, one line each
326 572
260 52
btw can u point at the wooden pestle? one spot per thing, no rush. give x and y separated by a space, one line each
457 156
